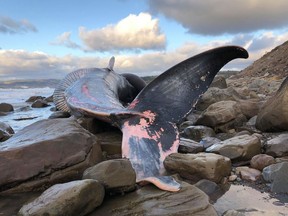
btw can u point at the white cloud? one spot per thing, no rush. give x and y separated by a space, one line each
214 17
64 40
11 26
135 32
24 64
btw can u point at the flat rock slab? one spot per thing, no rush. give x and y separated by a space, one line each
45 153
76 198
149 200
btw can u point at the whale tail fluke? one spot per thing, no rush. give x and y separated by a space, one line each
149 122
150 137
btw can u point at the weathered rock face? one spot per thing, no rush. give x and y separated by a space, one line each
5 131
116 175
45 153
219 82
261 161
242 147
274 113
219 113
278 146
76 198
249 108
272 63
199 166
213 95
198 132
149 200
5 107
189 146
278 175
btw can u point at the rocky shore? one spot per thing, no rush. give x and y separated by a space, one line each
232 159
67 166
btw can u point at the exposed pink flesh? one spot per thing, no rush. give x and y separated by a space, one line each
140 132
86 92
161 185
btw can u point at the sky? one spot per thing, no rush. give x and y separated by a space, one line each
48 39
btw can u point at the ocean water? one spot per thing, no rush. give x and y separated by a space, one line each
23 114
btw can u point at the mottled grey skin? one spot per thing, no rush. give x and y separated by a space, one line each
149 122
137 82
104 84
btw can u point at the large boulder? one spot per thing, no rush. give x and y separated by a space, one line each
116 175
219 82
220 113
199 166
250 107
5 131
242 147
45 153
40 103
76 198
149 200
277 146
274 113
213 95
278 175
6 107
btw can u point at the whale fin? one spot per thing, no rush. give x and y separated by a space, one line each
60 91
174 93
149 138
111 63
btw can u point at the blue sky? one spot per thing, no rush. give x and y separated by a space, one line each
48 39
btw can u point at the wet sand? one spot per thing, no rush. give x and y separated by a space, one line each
245 197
